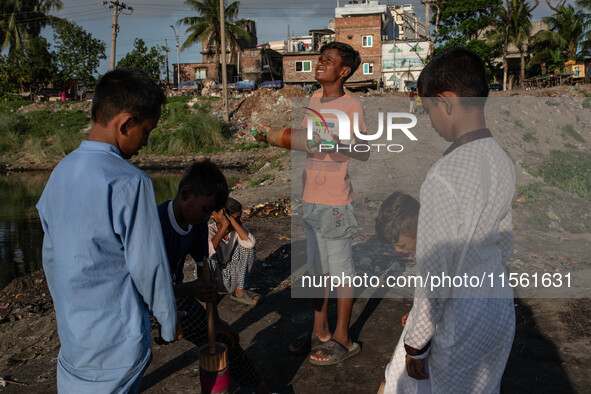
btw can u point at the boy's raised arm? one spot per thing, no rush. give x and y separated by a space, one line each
136 221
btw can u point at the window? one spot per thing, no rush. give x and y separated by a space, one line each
201 73
368 68
367 41
303 66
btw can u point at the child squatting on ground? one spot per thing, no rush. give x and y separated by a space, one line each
202 190
328 197
397 224
104 259
231 253
458 339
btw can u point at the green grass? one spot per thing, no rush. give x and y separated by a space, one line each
258 179
250 146
530 136
570 146
183 130
51 133
257 165
531 193
276 163
571 132
587 103
538 222
519 124
569 171
40 134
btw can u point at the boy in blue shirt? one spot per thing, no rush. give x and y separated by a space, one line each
202 190
103 256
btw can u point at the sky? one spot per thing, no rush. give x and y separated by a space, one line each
151 20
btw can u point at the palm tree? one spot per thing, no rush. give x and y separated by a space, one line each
569 32
514 28
206 26
21 19
520 30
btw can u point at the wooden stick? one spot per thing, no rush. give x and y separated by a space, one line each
2 380
213 357
211 306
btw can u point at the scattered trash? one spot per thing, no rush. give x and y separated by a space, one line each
4 382
281 207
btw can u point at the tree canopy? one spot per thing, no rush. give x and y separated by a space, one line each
206 25
28 67
464 22
21 19
77 53
151 61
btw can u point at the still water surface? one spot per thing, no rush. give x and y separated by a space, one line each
21 235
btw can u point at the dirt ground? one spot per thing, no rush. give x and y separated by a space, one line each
552 348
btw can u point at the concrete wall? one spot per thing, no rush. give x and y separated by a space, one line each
403 58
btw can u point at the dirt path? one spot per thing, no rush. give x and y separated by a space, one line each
552 348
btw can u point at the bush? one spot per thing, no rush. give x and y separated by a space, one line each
182 131
42 134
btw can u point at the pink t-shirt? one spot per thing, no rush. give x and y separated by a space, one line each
326 179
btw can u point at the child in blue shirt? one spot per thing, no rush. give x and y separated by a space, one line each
202 190
104 259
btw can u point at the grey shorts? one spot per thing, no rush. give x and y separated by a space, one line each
329 232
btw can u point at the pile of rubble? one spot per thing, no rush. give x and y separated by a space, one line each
24 297
268 106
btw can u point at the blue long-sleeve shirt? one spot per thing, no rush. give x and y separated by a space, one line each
106 266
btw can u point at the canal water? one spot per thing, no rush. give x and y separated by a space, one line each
21 235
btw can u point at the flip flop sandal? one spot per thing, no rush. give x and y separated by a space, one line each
336 352
305 343
247 298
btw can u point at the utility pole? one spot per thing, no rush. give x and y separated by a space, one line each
428 20
167 73
117 8
178 57
223 53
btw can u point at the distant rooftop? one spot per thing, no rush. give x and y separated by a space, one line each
365 7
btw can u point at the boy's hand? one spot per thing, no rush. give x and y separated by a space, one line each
260 136
179 332
221 219
404 318
221 327
414 368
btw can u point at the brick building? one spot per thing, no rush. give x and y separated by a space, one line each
252 63
364 26
299 62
